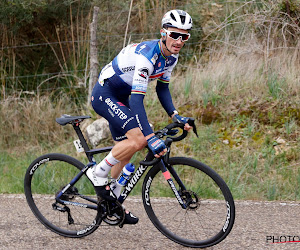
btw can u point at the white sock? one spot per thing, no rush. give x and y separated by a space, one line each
102 169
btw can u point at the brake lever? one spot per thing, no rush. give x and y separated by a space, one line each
191 122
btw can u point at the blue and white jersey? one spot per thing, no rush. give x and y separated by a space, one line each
138 64
129 74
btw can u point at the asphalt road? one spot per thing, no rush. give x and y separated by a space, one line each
257 226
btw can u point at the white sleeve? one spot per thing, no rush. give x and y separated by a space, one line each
143 69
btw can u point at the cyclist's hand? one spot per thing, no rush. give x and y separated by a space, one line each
157 146
183 120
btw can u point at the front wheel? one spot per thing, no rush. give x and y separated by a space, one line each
209 213
44 179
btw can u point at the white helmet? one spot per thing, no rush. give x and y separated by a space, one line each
178 19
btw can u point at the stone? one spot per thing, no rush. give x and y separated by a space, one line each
97 131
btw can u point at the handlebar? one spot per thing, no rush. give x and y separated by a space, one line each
171 130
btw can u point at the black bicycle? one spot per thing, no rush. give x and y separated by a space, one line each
185 199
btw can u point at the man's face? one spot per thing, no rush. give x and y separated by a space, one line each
175 45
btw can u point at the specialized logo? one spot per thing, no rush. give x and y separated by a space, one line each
115 109
134 179
144 72
171 183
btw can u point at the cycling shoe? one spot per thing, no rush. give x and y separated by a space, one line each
105 193
130 218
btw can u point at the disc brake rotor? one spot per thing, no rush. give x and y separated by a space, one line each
191 199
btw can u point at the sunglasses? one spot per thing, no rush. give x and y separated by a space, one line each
175 35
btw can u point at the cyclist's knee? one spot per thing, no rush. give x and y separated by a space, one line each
141 143
136 139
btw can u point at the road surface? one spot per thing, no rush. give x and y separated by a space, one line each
257 226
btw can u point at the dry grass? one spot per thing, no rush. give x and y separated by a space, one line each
240 76
30 122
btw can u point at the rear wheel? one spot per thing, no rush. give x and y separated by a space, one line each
44 179
209 213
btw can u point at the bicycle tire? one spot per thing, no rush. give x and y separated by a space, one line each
205 222
45 177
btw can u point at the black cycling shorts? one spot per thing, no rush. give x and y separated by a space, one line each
115 109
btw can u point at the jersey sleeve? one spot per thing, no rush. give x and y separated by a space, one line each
164 96
143 69
162 87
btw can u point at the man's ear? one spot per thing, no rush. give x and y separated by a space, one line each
163 33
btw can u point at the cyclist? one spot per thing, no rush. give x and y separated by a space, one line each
129 74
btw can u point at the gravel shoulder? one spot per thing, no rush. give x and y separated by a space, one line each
255 221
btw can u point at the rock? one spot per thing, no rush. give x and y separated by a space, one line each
97 131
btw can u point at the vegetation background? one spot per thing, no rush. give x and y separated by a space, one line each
238 76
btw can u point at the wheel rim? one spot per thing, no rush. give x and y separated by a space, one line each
48 180
208 217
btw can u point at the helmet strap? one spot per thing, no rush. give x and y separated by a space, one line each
165 43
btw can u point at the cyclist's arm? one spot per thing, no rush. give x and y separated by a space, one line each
164 96
143 69
163 91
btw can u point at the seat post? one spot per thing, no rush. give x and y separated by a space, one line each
82 140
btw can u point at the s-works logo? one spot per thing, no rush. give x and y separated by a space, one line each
272 239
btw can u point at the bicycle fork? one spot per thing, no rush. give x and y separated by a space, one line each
168 178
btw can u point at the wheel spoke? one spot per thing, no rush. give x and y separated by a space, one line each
206 197
47 180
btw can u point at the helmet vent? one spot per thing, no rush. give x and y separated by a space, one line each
172 16
182 19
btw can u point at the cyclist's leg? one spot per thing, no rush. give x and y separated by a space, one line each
123 126
120 147
122 122
116 189
125 149
115 109
116 169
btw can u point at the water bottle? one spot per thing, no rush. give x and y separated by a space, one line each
123 179
126 174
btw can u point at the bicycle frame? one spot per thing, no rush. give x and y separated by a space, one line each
163 163
194 220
